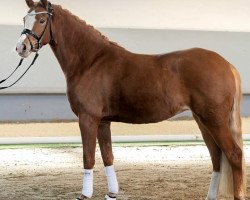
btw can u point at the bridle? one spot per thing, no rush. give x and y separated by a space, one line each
29 32
38 43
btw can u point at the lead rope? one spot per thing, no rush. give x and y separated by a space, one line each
20 63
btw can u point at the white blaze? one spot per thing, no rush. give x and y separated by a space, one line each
21 39
19 45
29 20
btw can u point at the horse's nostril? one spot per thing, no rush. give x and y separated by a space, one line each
24 47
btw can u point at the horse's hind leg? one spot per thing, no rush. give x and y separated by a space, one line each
104 139
215 154
234 155
219 128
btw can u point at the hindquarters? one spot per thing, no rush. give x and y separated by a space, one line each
214 92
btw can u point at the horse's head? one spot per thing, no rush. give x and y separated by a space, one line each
37 28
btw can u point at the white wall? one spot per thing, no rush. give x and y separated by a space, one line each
229 21
221 25
219 15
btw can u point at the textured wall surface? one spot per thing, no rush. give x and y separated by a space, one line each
55 108
142 26
229 15
47 77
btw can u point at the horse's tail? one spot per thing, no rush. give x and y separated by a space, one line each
226 181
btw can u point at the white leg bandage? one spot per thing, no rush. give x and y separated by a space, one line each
87 189
214 186
112 180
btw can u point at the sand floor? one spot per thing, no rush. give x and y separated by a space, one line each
144 173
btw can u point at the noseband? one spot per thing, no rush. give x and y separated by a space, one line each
38 42
34 35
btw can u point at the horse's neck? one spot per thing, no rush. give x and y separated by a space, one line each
76 44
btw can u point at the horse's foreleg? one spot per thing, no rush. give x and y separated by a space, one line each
104 139
89 129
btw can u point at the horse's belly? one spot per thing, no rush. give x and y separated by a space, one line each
143 115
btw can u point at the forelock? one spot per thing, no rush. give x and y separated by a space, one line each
37 7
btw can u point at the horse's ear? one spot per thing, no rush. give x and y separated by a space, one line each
44 3
30 3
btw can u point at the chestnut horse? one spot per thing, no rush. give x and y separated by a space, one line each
107 83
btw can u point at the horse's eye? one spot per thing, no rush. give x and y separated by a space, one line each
42 21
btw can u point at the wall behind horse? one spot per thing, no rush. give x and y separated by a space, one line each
47 77
222 15
142 26
47 80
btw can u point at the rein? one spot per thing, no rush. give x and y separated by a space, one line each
20 63
38 39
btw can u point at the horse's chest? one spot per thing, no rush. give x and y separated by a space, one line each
86 100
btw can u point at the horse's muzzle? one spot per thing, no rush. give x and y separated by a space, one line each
23 50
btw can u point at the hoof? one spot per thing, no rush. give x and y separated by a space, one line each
107 197
82 197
